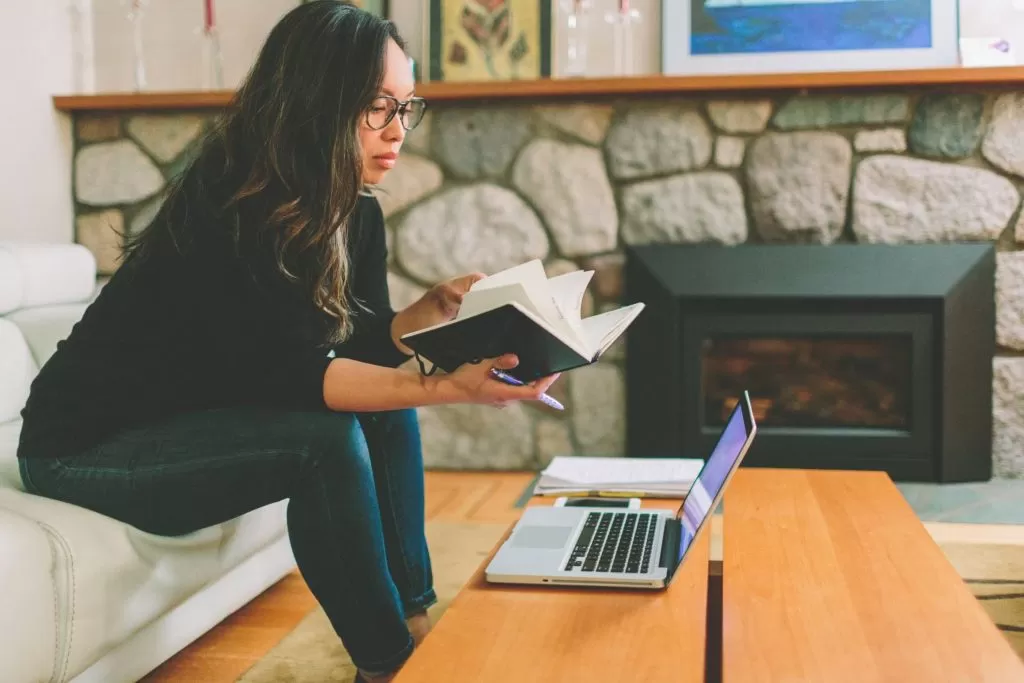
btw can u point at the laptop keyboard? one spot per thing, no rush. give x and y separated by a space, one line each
614 542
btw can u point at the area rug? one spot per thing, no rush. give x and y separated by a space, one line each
992 565
312 652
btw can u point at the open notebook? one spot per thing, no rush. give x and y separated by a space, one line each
597 476
522 311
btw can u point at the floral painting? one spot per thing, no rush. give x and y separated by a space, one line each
488 40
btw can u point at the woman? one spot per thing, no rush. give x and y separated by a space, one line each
245 352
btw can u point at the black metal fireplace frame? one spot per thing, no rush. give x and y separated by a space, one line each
951 331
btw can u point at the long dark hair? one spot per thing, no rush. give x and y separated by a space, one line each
283 167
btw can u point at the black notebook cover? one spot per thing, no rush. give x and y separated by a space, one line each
490 334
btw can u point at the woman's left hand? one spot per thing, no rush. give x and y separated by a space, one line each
439 304
445 298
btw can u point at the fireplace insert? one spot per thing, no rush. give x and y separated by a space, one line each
855 356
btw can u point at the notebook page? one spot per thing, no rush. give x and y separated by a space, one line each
591 471
481 301
534 281
601 330
567 291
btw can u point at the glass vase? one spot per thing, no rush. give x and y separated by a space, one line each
82 50
577 27
136 11
624 20
213 60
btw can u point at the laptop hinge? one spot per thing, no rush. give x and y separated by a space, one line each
670 547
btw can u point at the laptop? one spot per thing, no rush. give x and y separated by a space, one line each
615 547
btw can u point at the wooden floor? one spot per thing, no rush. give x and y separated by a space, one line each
227 651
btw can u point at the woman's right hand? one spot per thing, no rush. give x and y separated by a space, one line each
474 383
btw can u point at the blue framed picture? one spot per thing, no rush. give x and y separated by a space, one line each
750 36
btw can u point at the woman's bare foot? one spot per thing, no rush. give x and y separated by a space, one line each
419 626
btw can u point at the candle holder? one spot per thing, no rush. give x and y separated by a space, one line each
136 10
624 21
213 59
577 28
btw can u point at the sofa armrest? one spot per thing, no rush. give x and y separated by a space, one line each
29 606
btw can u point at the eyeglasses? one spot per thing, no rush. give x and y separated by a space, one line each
384 108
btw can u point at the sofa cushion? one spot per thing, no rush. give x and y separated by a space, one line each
28 622
17 369
44 326
119 579
50 273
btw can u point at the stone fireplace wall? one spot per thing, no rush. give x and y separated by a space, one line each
487 187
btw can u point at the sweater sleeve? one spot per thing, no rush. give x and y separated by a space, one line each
262 336
371 340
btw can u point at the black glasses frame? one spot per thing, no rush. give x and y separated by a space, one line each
400 109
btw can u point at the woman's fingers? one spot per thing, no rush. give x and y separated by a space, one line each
544 383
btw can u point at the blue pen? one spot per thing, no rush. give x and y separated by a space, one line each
509 379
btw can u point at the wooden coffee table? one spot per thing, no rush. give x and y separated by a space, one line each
497 633
830 576
826 577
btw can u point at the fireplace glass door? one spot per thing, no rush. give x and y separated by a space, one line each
809 381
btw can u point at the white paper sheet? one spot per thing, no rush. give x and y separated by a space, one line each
600 472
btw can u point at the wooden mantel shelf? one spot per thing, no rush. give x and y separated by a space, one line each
562 88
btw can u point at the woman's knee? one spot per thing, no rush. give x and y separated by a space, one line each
336 442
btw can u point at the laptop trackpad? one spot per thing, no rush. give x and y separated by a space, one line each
542 537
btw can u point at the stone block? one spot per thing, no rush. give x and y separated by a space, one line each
97 127
881 140
1008 417
653 140
696 207
1002 144
799 184
899 199
586 122
109 173
413 178
480 143
598 395
740 116
479 227
827 111
947 126
100 233
477 437
165 136
1010 302
568 185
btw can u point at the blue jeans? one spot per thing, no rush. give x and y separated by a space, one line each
355 513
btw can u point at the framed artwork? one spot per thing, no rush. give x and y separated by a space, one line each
378 7
751 36
488 40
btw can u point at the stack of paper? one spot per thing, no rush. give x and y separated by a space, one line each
640 477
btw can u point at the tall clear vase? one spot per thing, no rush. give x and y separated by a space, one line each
136 11
82 46
213 60
624 21
577 28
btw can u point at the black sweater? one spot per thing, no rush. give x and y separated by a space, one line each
202 328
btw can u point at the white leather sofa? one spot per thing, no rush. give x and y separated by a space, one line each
83 597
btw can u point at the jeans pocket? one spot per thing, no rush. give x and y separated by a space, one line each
26 477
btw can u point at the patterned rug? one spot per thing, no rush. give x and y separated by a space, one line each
990 559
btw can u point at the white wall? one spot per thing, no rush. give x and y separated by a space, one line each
35 140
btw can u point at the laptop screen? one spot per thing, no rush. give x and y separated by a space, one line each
708 484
